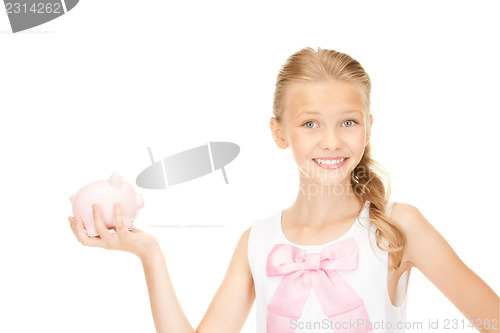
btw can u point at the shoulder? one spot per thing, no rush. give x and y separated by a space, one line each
245 235
407 217
429 251
240 254
243 241
421 236
242 247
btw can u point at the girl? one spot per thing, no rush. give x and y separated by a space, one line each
339 258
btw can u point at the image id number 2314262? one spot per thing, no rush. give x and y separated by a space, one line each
35 8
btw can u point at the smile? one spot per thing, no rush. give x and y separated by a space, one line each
329 163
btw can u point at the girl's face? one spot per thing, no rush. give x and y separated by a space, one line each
323 120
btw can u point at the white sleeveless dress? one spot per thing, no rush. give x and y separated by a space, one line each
369 280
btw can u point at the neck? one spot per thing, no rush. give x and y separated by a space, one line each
320 204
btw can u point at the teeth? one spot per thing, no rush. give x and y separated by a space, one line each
329 162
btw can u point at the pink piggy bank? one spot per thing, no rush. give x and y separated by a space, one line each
106 193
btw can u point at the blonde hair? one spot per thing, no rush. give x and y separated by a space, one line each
369 179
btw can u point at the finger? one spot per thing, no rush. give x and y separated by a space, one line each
75 228
119 224
73 221
83 237
72 224
100 227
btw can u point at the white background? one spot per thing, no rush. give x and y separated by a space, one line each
86 94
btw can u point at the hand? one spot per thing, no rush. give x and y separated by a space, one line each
135 241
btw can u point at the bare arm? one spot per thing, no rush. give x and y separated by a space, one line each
229 308
167 312
434 257
231 304
234 298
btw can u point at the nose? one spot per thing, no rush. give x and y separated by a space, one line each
330 139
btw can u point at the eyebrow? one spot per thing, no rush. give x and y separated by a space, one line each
343 112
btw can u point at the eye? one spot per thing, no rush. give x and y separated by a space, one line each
308 122
353 121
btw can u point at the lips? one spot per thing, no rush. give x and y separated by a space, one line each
331 166
330 158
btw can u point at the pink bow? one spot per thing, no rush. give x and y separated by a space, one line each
301 271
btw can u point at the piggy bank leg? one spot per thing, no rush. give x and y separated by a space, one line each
90 228
128 224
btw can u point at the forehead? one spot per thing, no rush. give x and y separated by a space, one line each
332 97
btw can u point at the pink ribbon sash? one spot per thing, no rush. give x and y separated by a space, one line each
302 271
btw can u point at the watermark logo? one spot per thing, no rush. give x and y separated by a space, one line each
354 325
188 165
26 14
447 324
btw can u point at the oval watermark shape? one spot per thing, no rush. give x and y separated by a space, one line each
26 14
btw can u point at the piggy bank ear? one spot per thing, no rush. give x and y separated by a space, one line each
115 180
71 198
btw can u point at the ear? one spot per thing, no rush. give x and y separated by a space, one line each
277 133
369 130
